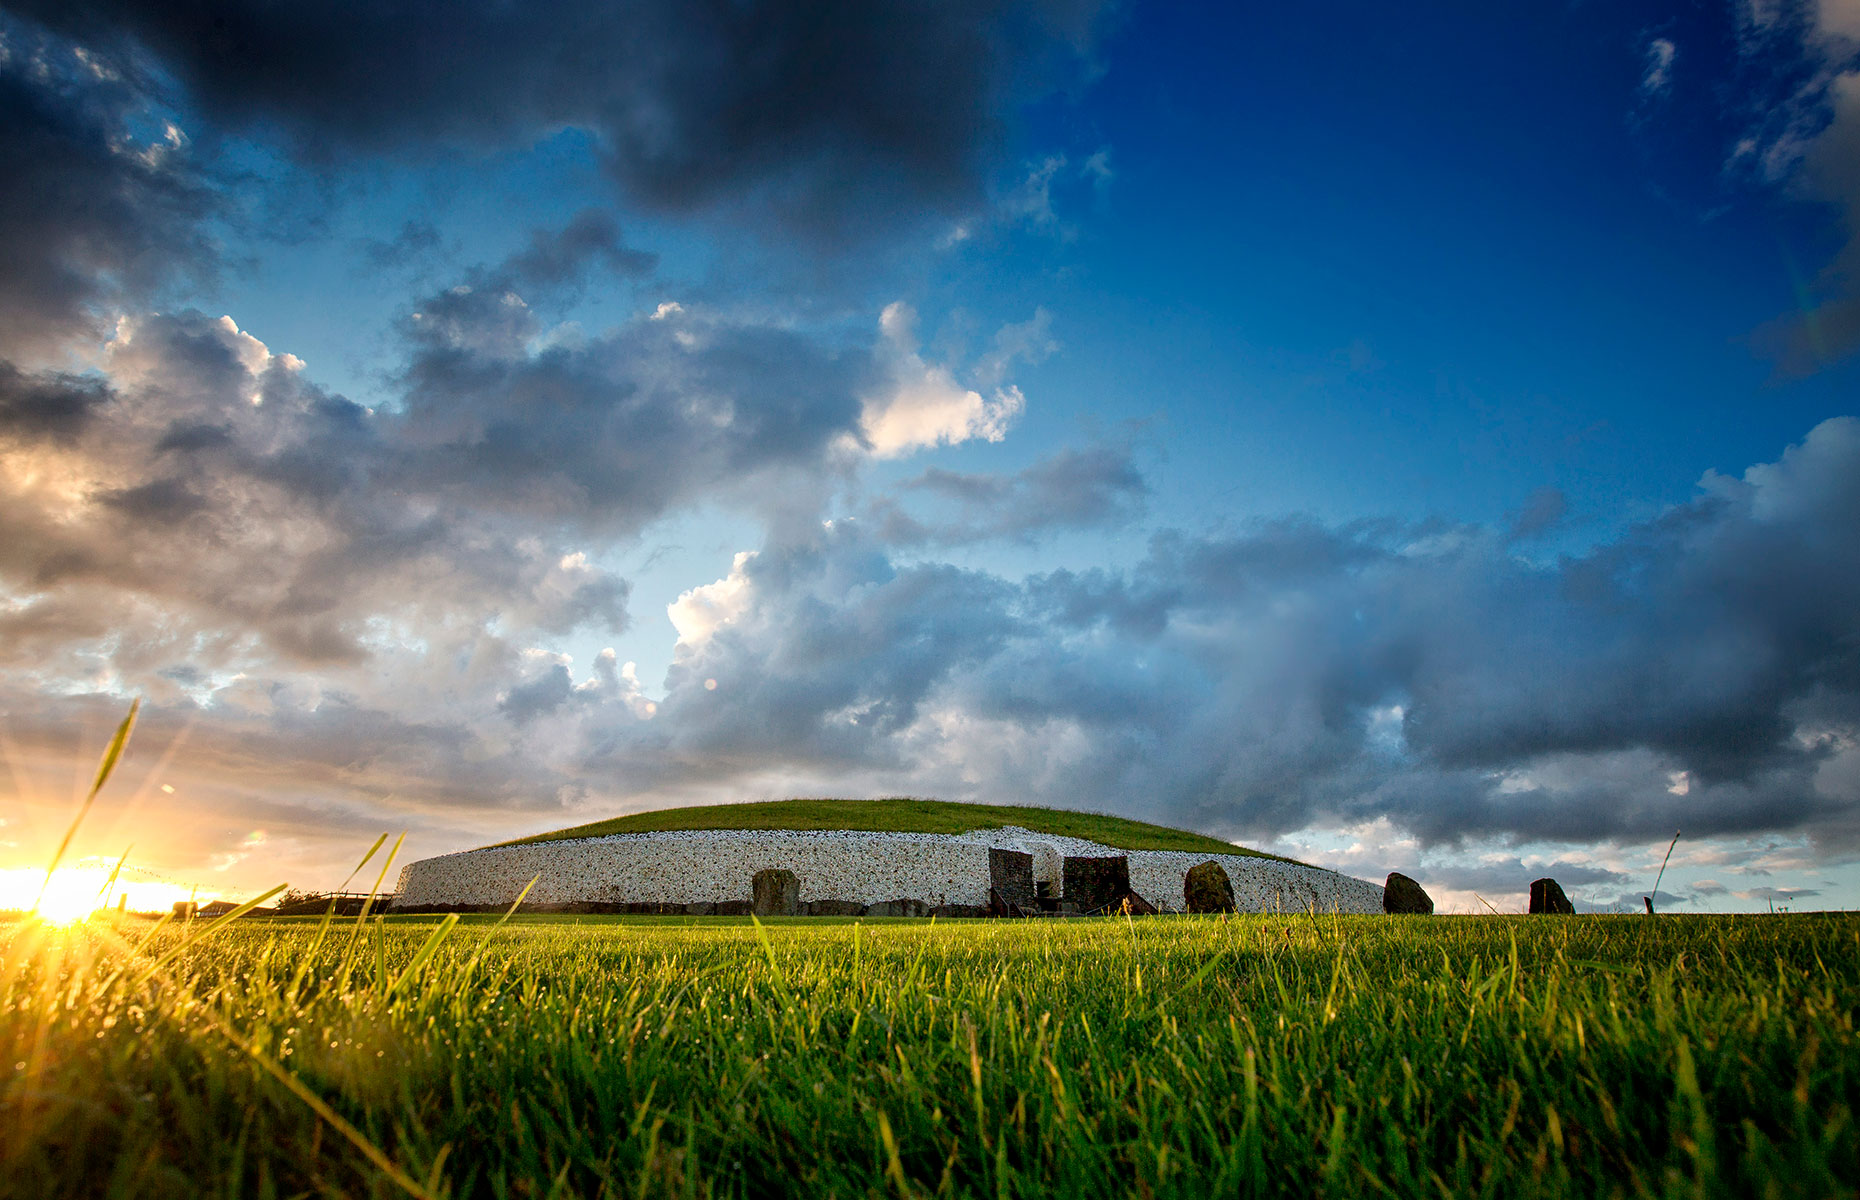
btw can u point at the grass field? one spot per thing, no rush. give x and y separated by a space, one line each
900 815
1185 1056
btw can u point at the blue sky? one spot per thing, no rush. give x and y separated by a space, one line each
1408 440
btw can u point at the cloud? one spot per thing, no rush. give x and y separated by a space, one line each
919 405
1031 342
1295 674
50 407
1779 895
828 117
1542 512
557 257
1809 138
1511 874
1657 78
610 433
101 210
209 491
416 242
698 614
1072 489
1636 902
1031 200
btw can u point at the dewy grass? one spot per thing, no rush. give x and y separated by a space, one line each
1262 1055
904 815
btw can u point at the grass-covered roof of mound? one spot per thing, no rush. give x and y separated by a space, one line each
903 815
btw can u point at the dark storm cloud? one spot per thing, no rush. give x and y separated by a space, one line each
1699 672
1073 489
1511 875
1805 134
416 242
611 432
52 406
213 493
201 503
101 206
559 256
830 112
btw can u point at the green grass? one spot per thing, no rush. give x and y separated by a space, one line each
1183 1056
904 816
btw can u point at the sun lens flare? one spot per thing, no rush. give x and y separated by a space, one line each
78 890
69 897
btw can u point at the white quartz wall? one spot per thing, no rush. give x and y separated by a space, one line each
706 866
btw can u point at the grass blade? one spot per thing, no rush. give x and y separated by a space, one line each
111 755
425 952
207 931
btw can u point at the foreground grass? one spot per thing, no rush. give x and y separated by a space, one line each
1498 1056
902 815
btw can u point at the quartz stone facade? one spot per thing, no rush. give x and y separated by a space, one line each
845 867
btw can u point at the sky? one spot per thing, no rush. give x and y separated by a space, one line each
1402 440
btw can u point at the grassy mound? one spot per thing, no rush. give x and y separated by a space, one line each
903 816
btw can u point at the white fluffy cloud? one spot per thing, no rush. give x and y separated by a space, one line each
921 405
700 612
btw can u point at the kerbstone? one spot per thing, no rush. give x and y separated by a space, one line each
1095 884
775 893
1010 872
898 908
1403 895
833 908
1547 897
1207 889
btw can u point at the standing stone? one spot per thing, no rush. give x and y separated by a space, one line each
775 893
1547 897
1403 895
1207 889
1010 872
1097 884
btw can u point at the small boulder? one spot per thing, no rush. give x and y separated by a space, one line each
775 893
1207 889
947 911
1547 897
1403 895
701 909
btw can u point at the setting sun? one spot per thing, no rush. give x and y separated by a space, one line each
75 892
69 896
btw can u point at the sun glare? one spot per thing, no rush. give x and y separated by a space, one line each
69 896
77 891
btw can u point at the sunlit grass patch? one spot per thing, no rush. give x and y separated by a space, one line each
1175 1056
904 815
1180 1056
